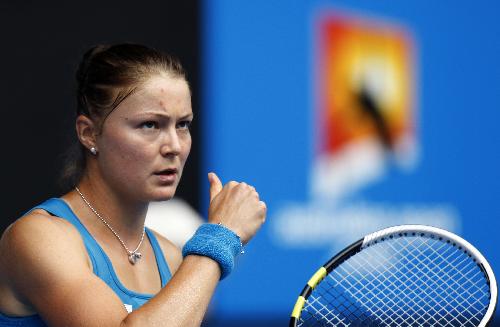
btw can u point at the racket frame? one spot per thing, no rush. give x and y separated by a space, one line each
399 231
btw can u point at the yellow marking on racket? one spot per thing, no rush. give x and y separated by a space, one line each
298 307
317 277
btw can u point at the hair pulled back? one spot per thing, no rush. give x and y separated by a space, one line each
107 75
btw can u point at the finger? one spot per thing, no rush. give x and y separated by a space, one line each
232 184
263 206
215 185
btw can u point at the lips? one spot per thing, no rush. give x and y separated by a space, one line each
168 171
167 176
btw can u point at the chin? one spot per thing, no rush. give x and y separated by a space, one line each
163 194
161 198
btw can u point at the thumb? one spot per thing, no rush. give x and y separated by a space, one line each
215 185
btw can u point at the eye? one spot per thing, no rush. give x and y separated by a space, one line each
149 125
184 124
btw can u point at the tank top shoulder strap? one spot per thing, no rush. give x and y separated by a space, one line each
58 207
165 273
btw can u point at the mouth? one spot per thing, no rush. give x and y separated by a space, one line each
168 171
168 175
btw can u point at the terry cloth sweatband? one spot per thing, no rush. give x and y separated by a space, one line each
216 242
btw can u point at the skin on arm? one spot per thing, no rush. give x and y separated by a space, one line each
45 263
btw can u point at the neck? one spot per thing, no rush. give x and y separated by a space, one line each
125 216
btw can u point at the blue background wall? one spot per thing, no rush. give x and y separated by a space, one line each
258 127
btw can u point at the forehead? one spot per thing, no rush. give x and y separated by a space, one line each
159 94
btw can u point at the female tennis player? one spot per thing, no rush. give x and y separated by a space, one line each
86 259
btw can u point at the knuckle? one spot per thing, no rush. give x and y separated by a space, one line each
232 184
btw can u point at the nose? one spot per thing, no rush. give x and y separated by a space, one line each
171 145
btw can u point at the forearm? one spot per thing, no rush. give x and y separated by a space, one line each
184 300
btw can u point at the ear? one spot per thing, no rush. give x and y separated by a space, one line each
86 130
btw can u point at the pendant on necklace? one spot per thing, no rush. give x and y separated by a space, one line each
134 257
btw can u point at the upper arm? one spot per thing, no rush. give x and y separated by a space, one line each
172 253
43 259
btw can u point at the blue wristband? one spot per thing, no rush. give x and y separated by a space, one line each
216 242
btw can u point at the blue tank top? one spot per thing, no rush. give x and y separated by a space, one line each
101 265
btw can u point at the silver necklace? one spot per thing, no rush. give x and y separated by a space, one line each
133 256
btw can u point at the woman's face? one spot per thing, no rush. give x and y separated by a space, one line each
145 141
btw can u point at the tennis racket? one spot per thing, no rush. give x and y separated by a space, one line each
409 275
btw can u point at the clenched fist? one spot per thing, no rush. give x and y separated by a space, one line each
236 206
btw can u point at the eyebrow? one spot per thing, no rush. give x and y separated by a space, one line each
163 115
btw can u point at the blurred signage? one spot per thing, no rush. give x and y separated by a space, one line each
365 106
365 114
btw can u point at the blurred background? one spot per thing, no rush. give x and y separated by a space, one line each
347 116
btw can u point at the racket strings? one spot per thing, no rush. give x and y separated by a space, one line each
429 287
432 284
405 281
415 298
459 280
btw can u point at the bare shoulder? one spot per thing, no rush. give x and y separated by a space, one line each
44 268
26 250
25 244
171 252
38 219
35 230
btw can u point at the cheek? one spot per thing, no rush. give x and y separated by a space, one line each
127 154
186 148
